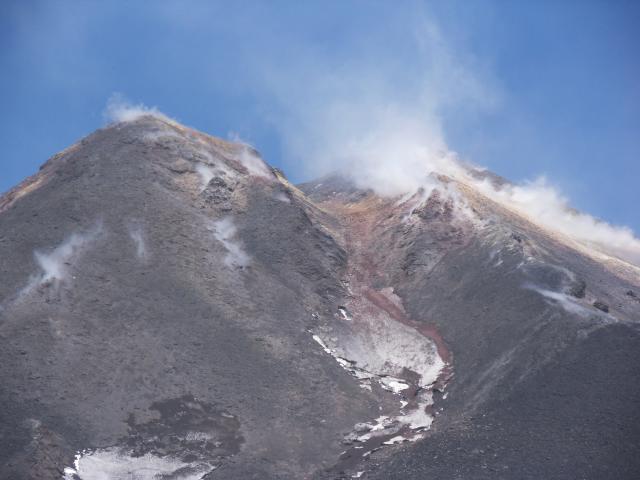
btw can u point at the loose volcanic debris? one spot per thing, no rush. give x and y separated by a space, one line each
377 343
188 440
165 330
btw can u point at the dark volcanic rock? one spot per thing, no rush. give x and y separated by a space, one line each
170 305
570 419
578 288
186 428
129 289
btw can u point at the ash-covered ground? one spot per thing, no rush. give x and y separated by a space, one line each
171 307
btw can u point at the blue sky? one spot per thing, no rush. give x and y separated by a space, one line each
524 88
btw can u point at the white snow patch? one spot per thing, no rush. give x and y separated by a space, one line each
376 427
225 231
322 344
382 422
377 347
198 436
395 440
344 314
386 347
393 384
416 419
114 464
348 365
344 363
419 418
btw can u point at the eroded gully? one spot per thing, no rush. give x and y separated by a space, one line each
375 339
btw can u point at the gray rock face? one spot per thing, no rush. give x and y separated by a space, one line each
171 307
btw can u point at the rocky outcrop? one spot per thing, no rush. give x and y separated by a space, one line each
171 305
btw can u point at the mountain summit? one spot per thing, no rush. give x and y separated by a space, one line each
171 307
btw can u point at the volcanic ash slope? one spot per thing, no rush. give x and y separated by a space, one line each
172 307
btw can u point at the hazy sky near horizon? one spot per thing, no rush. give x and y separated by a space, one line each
524 88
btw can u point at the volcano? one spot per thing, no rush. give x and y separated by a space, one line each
172 307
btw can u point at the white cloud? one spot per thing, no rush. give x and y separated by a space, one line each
54 264
381 124
249 158
225 232
385 129
568 303
206 174
283 197
119 109
137 235
253 163
545 205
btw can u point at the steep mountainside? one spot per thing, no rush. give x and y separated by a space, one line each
542 383
171 307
